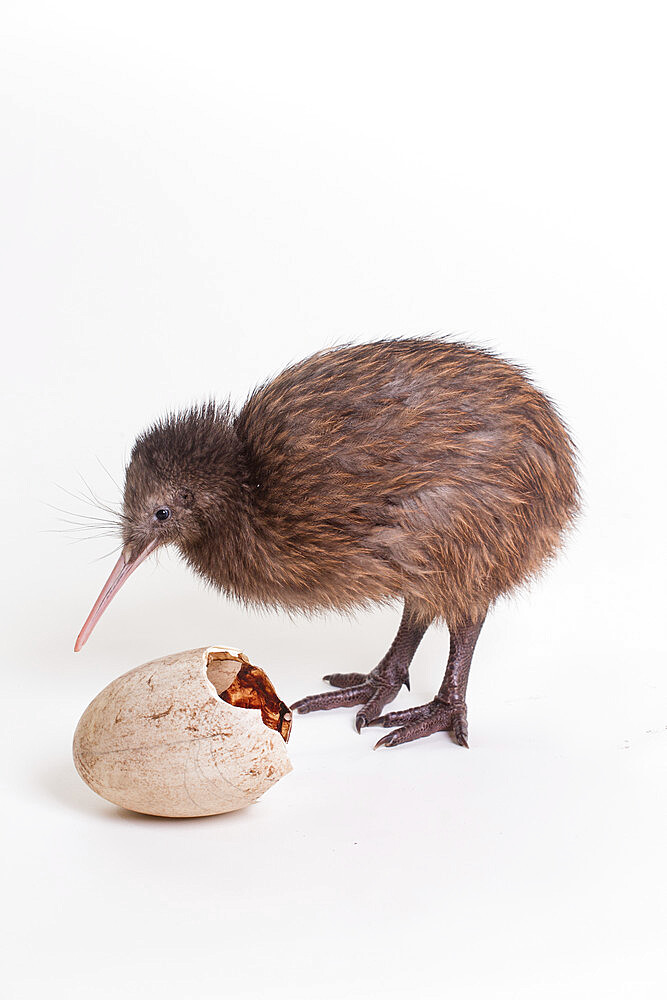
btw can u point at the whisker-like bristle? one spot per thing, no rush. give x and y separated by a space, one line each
96 502
107 554
82 498
93 501
101 526
109 474
104 522
90 538
69 531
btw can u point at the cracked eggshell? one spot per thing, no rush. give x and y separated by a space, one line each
173 738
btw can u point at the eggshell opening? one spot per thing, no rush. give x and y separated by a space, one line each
250 688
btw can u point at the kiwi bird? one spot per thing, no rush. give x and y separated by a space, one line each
422 471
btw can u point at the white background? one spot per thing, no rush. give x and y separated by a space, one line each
194 195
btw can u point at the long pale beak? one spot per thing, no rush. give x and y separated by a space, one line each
124 568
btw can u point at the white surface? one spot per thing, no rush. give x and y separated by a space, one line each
194 196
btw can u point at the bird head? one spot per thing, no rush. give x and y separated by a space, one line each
181 474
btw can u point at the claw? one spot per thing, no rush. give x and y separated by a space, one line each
386 741
360 722
297 706
461 736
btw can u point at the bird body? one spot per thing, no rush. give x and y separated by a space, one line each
419 470
409 468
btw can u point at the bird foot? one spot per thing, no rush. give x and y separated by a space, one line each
423 720
371 691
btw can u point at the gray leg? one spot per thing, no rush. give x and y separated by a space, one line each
374 690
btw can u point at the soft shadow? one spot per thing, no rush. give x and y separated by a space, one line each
61 783
127 816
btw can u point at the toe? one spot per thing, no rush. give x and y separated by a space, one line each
374 706
414 723
397 736
406 734
334 699
345 680
408 715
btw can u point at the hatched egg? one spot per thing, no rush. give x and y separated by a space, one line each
191 734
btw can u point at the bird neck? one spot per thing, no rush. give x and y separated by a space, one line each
225 549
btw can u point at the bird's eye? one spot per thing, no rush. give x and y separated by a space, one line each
163 514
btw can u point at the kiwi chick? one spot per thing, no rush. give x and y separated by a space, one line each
414 470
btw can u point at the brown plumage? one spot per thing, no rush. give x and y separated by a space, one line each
416 469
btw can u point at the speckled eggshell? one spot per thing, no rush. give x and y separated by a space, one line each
159 740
